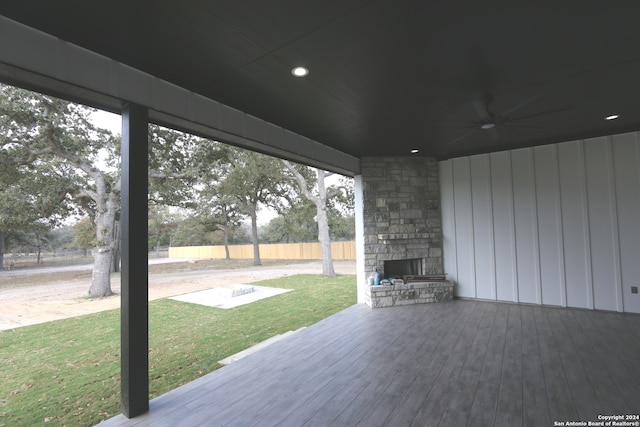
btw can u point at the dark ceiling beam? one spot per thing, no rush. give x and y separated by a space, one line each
39 61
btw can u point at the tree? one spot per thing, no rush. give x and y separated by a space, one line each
342 228
39 130
319 197
342 211
294 224
60 239
34 240
161 224
253 180
190 232
56 141
218 211
84 235
176 159
30 203
180 166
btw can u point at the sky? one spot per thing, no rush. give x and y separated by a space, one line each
107 120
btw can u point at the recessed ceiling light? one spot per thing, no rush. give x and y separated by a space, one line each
415 151
300 71
612 117
488 126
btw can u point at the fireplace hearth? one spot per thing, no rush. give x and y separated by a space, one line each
409 293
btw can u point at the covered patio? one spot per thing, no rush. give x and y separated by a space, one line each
461 363
497 144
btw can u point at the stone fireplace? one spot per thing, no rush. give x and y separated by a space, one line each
402 227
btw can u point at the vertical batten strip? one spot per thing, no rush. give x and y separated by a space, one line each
492 237
536 229
512 225
636 304
456 233
455 224
448 220
589 286
626 170
561 262
472 234
483 231
615 227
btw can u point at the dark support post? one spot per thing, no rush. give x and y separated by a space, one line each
135 268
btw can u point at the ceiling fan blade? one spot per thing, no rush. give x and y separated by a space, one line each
542 113
507 113
519 126
493 134
454 122
463 136
482 109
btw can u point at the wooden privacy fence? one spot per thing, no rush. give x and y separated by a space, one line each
339 250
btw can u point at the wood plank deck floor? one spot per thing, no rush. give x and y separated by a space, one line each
459 363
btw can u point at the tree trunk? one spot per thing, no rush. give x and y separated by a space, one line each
2 249
105 233
323 226
38 259
320 201
226 240
325 242
101 275
254 235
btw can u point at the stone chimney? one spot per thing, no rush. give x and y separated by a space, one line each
402 219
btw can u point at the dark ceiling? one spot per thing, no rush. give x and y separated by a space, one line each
386 76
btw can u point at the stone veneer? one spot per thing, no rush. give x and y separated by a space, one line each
402 219
409 293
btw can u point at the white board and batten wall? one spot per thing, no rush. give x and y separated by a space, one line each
555 224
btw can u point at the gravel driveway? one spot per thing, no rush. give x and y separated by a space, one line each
28 305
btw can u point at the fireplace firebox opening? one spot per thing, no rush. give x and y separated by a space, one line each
398 269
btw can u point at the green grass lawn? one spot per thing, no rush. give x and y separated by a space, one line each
67 372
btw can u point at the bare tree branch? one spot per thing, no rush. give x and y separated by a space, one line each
302 183
86 193
33 155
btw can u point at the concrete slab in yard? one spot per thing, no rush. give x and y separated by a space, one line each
223 297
